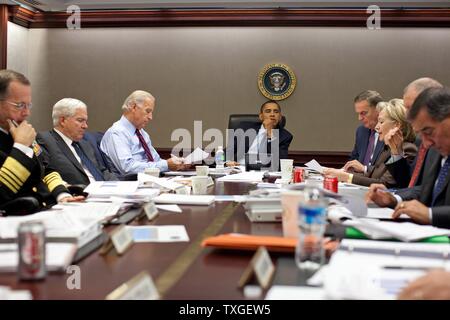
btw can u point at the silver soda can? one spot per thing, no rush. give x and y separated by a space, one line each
31 237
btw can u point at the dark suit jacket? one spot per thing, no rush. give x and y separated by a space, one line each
361 142
378 171
60 158
29 178
424 193
402 169
284 140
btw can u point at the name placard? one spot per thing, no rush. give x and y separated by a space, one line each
261 267
140 287
150 210
121 239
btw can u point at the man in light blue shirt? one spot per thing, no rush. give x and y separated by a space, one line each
126 142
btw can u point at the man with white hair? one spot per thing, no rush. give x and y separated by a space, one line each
66 152
126 142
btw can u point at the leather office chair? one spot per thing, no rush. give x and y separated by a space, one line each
235 121
95 138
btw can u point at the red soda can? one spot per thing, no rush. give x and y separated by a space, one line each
31 246
299 175
330 183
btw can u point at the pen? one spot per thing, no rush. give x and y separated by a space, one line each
406 268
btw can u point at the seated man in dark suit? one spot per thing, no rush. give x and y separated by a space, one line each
367 145
65 150
430 203
22 169
258 140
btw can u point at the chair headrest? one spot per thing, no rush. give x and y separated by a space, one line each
236 120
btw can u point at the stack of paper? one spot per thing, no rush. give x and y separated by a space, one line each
7 294
58 256
113 190
364 269
405 231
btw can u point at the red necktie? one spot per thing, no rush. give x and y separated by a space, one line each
420 157
145 146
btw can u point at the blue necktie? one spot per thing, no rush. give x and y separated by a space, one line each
85 161
369 150
441 180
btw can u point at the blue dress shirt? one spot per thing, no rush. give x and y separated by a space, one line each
122 145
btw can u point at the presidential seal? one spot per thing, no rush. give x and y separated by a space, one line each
276 81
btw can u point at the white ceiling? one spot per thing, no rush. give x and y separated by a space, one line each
61 5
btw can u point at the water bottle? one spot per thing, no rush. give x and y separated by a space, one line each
220 158
309 253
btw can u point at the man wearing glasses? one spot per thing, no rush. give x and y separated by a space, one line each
22 172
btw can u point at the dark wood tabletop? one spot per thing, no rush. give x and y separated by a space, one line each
208 273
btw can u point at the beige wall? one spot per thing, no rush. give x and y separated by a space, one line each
208 73
17 55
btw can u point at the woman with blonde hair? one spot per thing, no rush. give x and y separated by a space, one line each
391 121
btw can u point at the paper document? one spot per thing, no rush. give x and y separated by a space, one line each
161 182
58 256
404 231
184 199
382 213
251 176
198 155
158 233
313 164
7 294
111 188
295 293
169 207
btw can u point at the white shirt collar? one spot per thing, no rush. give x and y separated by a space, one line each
66 139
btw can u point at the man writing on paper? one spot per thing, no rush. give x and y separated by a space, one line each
22 171
128 145
429 203
70 155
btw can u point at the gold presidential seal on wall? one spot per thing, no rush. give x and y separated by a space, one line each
276 81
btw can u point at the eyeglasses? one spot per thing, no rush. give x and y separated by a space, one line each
20 105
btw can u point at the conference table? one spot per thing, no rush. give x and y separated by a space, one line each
180 270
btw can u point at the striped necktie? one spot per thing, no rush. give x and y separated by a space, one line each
145 146
85 161
443 173
419 162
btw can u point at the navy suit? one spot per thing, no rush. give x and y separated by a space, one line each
60 158
361 142
423 193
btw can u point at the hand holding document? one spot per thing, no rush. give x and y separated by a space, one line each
198 155
314 165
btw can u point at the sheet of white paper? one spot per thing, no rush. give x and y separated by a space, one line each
251 176
356 275
162 182
382 213
197 155
169 207
184 199
7 294
295 293
313 164
158 233
57 256
317 278
111 188
223 198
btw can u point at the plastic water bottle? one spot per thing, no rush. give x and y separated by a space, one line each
220 158
309 253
